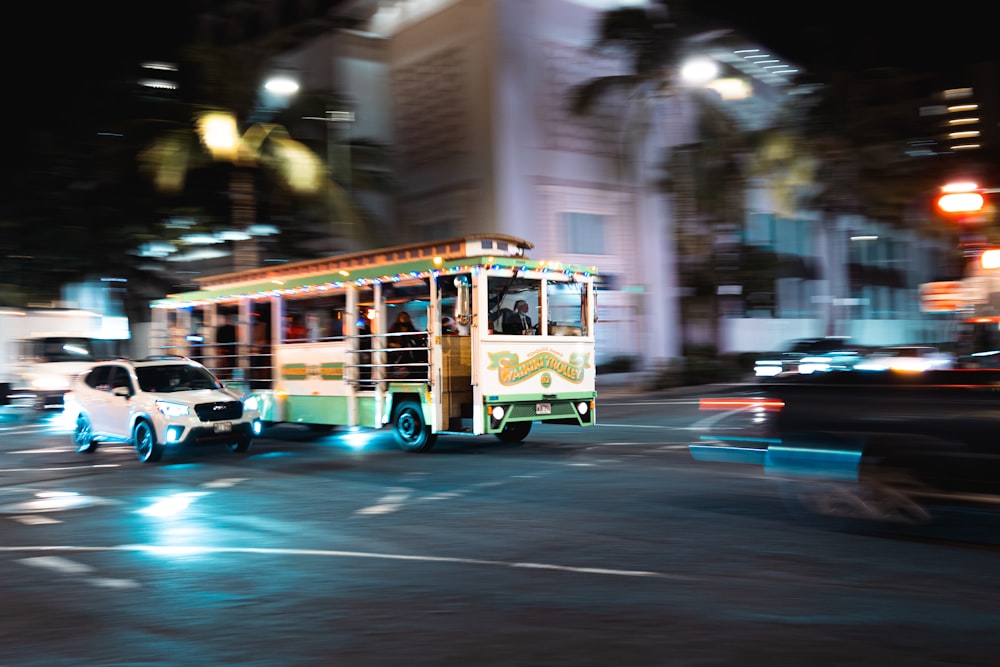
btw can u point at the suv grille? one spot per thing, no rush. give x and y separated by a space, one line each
223 411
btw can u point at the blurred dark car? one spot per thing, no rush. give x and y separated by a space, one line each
887 446
809 355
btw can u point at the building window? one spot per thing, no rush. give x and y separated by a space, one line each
584 233
788 236
760 229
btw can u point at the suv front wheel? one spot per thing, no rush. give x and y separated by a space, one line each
83 435
144 439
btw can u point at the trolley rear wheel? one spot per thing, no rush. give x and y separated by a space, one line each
514 431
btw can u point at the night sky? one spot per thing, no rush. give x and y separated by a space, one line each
856 34
53 55
49 51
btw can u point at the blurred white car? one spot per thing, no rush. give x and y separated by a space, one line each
906 358
808 355
157 403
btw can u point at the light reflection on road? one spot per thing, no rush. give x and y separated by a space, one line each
14 420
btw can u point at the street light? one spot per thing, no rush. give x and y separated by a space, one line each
699 71
282 85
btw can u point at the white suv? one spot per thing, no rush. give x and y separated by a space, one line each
156 403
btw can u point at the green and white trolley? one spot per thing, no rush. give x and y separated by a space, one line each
501 341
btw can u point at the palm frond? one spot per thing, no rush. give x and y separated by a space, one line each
585 95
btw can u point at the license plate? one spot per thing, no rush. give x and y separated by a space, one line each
223 427
543 408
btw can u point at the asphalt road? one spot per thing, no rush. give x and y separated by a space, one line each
604 546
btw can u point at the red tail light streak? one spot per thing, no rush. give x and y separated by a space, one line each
764 404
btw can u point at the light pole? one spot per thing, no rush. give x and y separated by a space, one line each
338 167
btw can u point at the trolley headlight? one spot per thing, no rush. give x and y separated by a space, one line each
172 409
583 408
497 412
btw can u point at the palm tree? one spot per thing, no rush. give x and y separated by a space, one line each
318 211
703 176
651 39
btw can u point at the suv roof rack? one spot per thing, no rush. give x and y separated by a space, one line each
164 357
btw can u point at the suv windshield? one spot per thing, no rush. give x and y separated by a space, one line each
175 377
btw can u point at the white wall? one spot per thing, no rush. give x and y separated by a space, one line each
762 334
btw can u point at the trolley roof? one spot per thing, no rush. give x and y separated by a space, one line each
383 265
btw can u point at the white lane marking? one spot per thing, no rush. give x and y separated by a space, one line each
24 428
57 564
71 567
390 502
652 426
35 520
395 500
56 503
648 445
107 582
224 483
168 551
443 496
67 450
48 450
595 570
58 468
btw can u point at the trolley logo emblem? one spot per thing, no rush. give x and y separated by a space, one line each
511 370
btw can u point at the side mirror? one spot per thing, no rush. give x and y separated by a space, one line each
463 301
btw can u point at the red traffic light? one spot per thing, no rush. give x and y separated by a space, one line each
961 202
960 197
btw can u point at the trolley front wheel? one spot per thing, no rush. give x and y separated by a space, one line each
412 434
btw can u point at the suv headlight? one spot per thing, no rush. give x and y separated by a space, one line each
172 409
251 403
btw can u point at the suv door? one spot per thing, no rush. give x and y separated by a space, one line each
117 408
93 397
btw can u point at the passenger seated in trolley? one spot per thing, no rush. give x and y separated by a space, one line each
409 357
516 321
